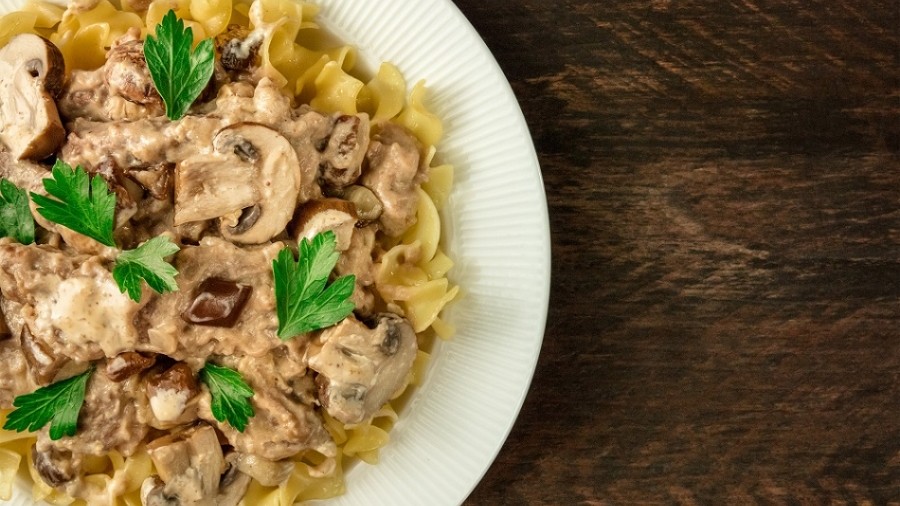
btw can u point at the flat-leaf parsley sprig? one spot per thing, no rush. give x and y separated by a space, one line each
229 395
82 203
147 262
302 300
58 403
85 205
178 73
16 220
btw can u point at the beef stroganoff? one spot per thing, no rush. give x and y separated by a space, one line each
220 268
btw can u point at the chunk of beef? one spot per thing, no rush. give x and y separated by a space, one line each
394 175
70 302
283 424
357 260
15 379
344 150
216 258
110 419
121 89
361 368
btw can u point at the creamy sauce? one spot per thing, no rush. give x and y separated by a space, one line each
168 404
86 311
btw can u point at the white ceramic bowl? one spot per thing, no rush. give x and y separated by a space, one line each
497 231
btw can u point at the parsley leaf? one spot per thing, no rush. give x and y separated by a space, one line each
146 262
58 403
16 220
229 394
302 300
178 73
83 204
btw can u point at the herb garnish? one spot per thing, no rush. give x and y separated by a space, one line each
58 403
303 301
82 204
178 73
16 220
229 393
86 206
146 262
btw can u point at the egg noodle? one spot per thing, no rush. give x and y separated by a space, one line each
411 275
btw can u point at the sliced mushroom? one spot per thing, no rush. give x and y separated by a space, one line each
127 74
157 180
31 76
233 484
217 302
251 183
319 216
232 488
125 189
55 466
343 153
127 364
190 464
153 493
43 363
239 48
170 391
361 368
210 186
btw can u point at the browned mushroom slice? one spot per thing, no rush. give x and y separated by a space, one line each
319 216
127 74
239 48
361 368
345 150
217 302
42 361
54 465
209 186
157 180
31 75
169 392
251 183
190 465
233 484
278 181
127 364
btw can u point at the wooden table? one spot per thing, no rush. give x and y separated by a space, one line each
723 179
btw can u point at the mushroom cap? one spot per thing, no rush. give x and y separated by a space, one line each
32 72
40 58
127 75
251 183
277 183
317 216
343 154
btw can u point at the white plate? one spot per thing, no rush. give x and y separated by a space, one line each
497 231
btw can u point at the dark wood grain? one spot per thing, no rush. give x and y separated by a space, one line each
723 180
